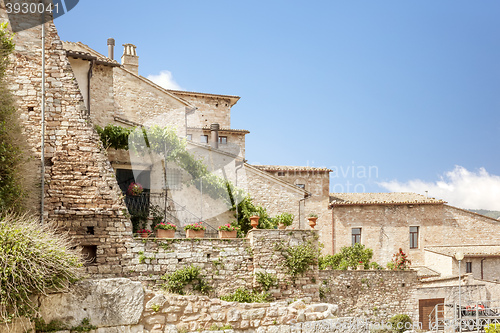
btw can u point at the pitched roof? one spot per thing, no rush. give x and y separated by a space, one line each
232 98
425 272
229 130
80 50
467 250
344 199
290 168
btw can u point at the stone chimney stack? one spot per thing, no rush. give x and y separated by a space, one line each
111 48
130 60
214 135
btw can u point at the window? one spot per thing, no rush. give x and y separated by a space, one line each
356 235
302 186
223 140
413 237
204 138
174 178
468 267
281 173
189 137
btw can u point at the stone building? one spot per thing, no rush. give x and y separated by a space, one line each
428 230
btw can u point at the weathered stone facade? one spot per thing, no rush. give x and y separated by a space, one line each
81 193
386 227
374 294
226 264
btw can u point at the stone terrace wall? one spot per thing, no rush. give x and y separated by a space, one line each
375 294
226 264
268 259
82 195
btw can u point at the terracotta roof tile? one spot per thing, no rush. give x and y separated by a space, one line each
82 49
467 250
220 129
290 168
343 199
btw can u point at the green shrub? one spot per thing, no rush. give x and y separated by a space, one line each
179 279
299 258
243 295
401 323
284 218
348 257
492 328
34 260
267 280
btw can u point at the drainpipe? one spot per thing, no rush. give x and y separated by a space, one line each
482 277
42 199
89 76
239 165
307 196
214 136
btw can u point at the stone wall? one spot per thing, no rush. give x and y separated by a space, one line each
375 294
81 192
267 258
141 101
226 264
275 195
210 109
128 308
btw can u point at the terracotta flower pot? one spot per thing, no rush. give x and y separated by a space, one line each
228 234
165 233
190 233
312 221
254 221
281 226
144 234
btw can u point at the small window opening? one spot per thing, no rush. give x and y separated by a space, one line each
90 230
89 253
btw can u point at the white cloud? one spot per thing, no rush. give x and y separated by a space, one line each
459 187
165 80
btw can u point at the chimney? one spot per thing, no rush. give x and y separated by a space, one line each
214 135
111 48
130 60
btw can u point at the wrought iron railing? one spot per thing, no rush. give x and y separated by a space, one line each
149 204
469 317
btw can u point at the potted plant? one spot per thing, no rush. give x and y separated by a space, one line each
165 230
228 231
254 221
284 220
134 189
312 220
361 266
195 230
144 233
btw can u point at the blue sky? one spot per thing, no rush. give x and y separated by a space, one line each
409 88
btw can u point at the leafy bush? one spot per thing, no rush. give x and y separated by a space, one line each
179 279
34 259
285 218
267 280
492 328
401 323
299 258
348 257
113 136
243 295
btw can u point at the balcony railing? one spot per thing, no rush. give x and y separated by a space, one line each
150 204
